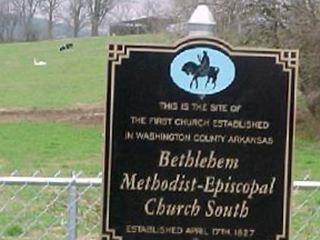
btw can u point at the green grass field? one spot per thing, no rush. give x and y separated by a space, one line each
70 77
307 158
49 147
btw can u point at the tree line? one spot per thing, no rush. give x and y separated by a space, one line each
76 14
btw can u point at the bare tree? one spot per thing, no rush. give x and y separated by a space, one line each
290 24
26 10
97 10
8 20
183 9
151 8
3 19
122 12
304 33
157 14
75 17
12 22
50 7
268 21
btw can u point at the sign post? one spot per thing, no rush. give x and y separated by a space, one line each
199 139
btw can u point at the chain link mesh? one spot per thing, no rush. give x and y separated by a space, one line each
306 214
29 211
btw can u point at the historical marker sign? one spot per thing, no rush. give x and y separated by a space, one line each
198 142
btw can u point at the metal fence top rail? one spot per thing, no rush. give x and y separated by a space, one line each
306 184
97 181
53 181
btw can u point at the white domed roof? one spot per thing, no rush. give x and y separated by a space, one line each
202 15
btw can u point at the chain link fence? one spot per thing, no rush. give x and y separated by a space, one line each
70 208
306 210
50 208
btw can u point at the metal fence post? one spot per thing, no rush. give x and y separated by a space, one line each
72 209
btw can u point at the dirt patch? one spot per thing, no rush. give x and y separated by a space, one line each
82 114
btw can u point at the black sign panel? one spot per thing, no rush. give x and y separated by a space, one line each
198 142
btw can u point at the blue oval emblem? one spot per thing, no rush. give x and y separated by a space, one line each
202 71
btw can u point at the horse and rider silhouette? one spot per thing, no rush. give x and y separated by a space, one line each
202 70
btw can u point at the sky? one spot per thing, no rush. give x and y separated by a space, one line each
130 9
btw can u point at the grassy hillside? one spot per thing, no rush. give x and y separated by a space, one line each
70 77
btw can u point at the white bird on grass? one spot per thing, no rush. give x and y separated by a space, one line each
39 63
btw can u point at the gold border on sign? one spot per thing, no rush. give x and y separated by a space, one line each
288 59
